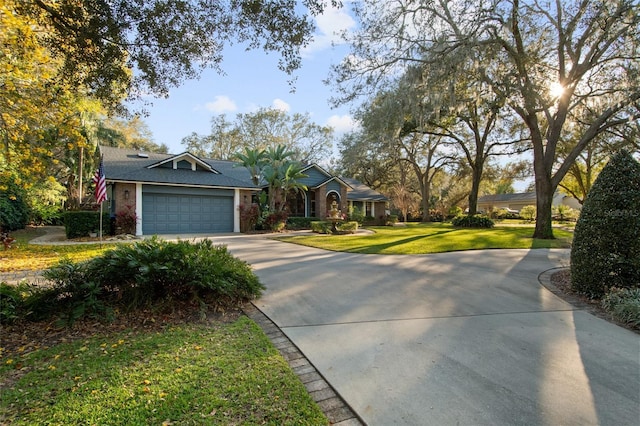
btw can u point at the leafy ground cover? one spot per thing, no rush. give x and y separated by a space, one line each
25 256
423 238
158 365
186 373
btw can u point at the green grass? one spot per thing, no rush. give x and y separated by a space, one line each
25 256
421 238
188 375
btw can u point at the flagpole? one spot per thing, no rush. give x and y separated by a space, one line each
101 191
100 225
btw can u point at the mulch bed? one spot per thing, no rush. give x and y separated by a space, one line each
25 337
562 282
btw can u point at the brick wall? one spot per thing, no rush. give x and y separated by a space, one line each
321 202
119 196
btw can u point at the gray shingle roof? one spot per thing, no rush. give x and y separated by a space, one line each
127 166
509 198
361 192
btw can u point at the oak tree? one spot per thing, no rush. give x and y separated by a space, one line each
561 66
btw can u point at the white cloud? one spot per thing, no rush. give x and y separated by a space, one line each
329 25
342 123
281 105
221 104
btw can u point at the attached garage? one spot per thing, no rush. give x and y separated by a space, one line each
184 210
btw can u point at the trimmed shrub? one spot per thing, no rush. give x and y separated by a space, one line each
356 214
606 243
347 227
475 221
126 220
326 227
249 216
80 223
528 213
321 227
276 221
624 305
299 222
504 214
454 211
391 219
151 272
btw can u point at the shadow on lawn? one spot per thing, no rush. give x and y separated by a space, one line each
379 248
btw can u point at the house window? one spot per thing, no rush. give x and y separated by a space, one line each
312 203
295 203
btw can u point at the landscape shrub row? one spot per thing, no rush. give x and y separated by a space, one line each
149 273
299 222
325 227
81 223
475 221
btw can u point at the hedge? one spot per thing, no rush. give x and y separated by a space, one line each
80 223
325 227
476 221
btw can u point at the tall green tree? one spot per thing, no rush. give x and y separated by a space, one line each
560 66
222 143
265 128
363 156
130 132
102 42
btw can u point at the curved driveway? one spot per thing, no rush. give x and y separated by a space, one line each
468 338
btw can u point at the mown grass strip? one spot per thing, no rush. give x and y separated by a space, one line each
25 256
189 375
424 238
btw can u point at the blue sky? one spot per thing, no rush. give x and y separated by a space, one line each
253 80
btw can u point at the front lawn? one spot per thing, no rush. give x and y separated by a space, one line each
25 256
187 374
161 365
423 238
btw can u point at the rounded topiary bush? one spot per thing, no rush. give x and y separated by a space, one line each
606 242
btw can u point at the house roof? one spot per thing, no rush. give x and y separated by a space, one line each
324 177
127 165
361 192
523 197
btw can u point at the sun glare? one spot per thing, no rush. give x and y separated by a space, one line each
556 90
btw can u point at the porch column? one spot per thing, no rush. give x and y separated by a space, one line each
236 210
139 209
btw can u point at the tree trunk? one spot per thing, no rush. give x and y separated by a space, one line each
544 199
426 194
475 189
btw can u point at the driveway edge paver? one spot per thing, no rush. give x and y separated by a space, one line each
330 402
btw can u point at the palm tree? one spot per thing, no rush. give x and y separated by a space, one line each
254 160
277 159
291 174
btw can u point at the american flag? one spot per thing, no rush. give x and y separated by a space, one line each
101 185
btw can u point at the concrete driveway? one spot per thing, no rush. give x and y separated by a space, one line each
465 338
